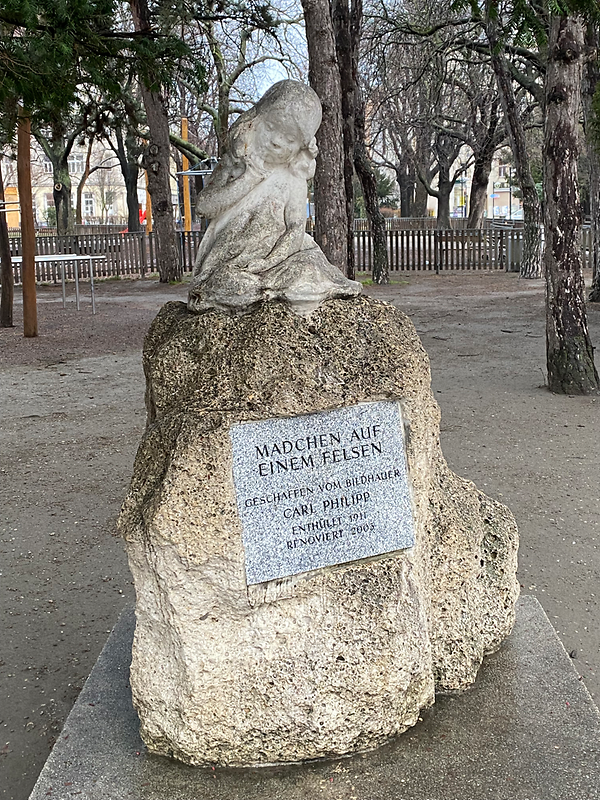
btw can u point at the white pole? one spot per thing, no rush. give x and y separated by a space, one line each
77 284
92 283
62 280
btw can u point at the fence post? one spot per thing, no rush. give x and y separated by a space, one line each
181 250
143 254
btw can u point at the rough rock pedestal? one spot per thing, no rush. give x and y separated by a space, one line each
328 662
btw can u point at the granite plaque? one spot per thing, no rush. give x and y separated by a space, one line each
321 489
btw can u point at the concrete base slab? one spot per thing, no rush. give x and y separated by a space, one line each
527 730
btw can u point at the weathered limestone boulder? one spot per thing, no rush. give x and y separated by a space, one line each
327 662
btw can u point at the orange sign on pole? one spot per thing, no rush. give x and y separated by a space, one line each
148 208
187 205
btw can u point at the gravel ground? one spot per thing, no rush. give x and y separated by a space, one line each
73 413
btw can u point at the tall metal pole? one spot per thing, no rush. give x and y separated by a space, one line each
30 327
148 208
187 206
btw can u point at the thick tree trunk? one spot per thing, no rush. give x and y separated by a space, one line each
420 201
62 198
531 265
445 186
362 163
478 194
479 184
423 161
126 152
345 45
484 155
405 178
156 162
591 81
133 204
364 170
331 221
569 351
57 148
7 276
30 327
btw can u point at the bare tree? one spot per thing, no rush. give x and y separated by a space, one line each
156 163
412 155
531 264
362 162
57 142
478 34
89 170
236 48
430 99
346 50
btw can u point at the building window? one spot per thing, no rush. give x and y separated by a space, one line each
48 168
108 199
504 171
76 164
49 217
88 204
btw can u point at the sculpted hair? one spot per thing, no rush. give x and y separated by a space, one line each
289 97
297 100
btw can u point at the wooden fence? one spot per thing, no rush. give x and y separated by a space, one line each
126 254
420 223
430 250
422 250
77 229
443 250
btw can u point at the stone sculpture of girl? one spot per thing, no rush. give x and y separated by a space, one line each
256 247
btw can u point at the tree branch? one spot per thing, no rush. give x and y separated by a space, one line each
187 148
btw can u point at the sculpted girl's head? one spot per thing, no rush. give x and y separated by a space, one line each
294 106
280 126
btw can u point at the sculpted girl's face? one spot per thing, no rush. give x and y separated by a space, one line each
277 139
